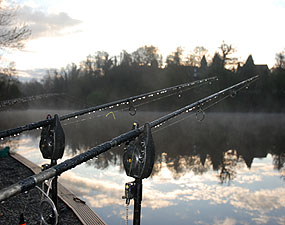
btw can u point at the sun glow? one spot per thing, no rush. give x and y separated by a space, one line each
79 29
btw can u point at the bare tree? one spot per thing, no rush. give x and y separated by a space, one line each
175 58
195 57
280 60
226 51
12 34
147 56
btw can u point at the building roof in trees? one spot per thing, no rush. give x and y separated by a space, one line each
262 69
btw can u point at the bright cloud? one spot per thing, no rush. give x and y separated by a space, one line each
253 27
43 24
262 201
109 193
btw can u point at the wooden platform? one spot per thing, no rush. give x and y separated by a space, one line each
84 213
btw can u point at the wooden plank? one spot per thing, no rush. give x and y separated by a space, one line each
84 213
32 166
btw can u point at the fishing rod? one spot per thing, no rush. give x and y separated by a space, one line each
14 101
68 164
129 101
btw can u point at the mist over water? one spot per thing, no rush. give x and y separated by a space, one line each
228 161
250 134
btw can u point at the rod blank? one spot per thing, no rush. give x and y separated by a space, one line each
32 126
56 170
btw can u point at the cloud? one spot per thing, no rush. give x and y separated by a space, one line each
262 219
249 179
106 189
263 201
227 221
28 75
44 24
109 193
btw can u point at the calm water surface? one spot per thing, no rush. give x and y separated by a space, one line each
227 169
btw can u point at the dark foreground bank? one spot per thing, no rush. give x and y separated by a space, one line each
11 171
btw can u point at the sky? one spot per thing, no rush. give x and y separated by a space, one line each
67 31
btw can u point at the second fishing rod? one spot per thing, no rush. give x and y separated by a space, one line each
58 169
130 101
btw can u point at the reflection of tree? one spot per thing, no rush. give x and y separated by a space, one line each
157 165
181 165
104 160
228 167
13 144
277 150
282 176
282 172
279 164
279 161
188 146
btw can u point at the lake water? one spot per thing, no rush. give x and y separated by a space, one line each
226 169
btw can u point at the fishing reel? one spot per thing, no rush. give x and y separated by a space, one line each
52 141
138 158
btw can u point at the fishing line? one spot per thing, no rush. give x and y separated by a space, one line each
133 99
136 105
160 128
49 202
133 105
14 101
56 170
165 96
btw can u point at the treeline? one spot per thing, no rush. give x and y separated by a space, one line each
102 78
9 85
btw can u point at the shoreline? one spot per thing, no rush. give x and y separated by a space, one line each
12 171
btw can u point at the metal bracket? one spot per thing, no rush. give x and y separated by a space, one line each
130 189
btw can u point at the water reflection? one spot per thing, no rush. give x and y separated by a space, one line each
223 170
183 198
220 142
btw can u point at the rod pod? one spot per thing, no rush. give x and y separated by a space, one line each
133 190
137 201
138 161
52 144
